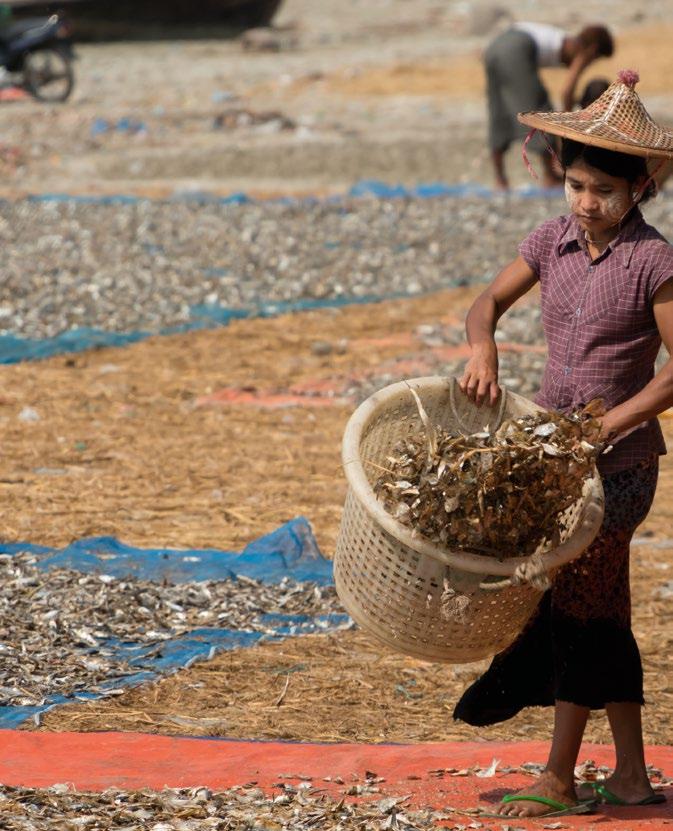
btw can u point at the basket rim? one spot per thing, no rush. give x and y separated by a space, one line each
584 535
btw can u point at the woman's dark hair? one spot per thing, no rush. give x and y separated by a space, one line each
620 165
600 38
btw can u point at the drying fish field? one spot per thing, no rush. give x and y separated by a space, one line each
196 808
167 461
60 626
180 351
212 440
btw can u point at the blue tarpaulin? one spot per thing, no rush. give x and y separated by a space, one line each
365 187
290 551
14 349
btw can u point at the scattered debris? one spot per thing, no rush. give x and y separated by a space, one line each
663 592
125 124
236 117
29 415
266 39
489 771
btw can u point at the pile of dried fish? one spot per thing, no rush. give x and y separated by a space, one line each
498 493
56 627
28 809
299 807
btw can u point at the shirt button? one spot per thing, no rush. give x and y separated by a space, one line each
566 370
578 312
591 268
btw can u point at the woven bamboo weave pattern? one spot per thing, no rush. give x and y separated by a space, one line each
617 121
393 584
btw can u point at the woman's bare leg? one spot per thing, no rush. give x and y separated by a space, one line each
557 781
630 781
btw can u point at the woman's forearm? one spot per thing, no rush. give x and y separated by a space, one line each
480 377
481 321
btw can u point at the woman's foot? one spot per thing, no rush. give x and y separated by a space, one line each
548 786
629 790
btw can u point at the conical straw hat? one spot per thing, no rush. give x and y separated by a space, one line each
616 121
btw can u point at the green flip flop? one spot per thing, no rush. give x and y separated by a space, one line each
610 798
559 809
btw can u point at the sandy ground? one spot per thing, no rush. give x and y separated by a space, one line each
388 89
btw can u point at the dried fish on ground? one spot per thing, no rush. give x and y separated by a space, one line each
499 493
57 627
194 809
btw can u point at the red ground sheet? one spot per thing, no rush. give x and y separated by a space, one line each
95 761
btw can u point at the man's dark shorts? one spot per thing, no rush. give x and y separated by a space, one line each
514 86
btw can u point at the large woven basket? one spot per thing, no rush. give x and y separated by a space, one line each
391 582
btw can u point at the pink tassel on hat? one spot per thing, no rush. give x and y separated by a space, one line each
628 77
524 153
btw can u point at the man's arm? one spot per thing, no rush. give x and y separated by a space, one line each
657 396
480 378
577 66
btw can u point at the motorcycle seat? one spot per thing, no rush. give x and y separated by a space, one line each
18 28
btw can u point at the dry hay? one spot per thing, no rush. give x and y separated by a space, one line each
345 687
646 48
121 448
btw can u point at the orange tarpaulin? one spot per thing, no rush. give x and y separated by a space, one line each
95 761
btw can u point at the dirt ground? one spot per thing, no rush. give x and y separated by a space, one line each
388 89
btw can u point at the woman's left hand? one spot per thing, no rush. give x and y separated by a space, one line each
607 431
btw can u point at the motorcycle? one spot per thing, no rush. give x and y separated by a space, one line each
37 55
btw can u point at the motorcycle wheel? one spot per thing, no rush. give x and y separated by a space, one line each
48 74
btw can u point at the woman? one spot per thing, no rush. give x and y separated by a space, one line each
607 303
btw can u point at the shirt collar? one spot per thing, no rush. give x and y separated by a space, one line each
623 244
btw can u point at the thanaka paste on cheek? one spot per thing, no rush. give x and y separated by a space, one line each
614 206
611 208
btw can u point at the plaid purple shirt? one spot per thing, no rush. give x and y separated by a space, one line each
599 323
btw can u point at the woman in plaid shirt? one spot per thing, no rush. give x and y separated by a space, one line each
607 305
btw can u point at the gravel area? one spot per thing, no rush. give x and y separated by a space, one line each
390 89
147 265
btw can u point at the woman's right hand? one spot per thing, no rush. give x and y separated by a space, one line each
480 378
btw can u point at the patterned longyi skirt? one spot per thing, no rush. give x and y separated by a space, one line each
578 646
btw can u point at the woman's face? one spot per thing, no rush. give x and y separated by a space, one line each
599 201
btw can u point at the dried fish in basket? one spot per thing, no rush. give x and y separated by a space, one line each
424 596
501 492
